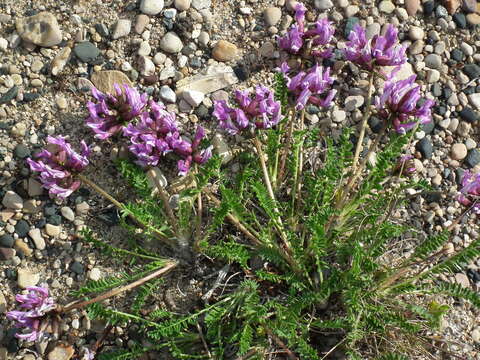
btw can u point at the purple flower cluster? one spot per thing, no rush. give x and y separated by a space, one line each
379 51
470 192
400 103
313 86
156 134
111 112
260 112
297 37
58 166
36 305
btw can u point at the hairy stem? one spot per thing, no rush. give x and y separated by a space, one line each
297 185
366 116
81 304
122 207
283 159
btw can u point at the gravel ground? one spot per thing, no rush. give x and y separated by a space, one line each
174 52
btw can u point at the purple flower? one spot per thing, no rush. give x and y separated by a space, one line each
400 103
470 192
111 112
379 51
313 86
295 38
261 111
37 304
58 167
156 135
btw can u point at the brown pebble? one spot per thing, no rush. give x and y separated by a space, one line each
23 247
151 79
224 51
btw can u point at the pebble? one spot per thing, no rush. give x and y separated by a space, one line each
9 95
86 51
473 19
460 20
472 71
144 49
41 29
462 279
474 100
67 213
26 278
61 102
201 4
224 51
323 4
77 268
52 230
36 235
6 253
3 44
425 147
416 33
141 22
469 115
22 228
167 94
458 151
171 43
151 7
433 61
193 97
145 66
476 335
122 28
339 115
60 60
470 5
6 241
21 151
473 158
182 5
452 5
61 352
354 102
272 15
412 6
95 274
104 80
12 200
386 7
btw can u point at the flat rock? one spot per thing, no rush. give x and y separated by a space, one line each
151 7
86 51
26 278
52 230
61 352
215 77
122 28
412 6
272 15
104 80
12 200
472 71
41 29
224 51
193 97
171 43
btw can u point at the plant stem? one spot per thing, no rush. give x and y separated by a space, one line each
166 204
122 207
366 116
283 159
198 230
77 305
297 185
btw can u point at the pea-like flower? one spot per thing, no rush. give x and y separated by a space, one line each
157 134
379 51
112 112
259 112
58 167
313 86
470 191
36 305
298 37
400 103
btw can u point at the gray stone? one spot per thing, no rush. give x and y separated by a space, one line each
6 253
272 15
323 4
473 158
215 77
3 304
122 28
41 29
193 97
144 49
86 52
433 61
7 240
146 67
433 76
9 95
151 7
167 94
416 33
12 200
77 268
171 43
182 5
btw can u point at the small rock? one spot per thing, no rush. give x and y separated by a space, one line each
474 99
6 253
386 7
144 49
9 95
469 115
95 274
67 213
3 44
428 7
476 335
86 51
168 94
61 352
224 51
416 33
473 19
36 235
272 15
354 102
6 241
60 60
12 200
151 7
104 80
141 22
145 66
473 158
61 102
23 248
77 268
193 98
452 5
41 29
21 151
182 5
470 5
412 6
462 279
339 116
425 147
323 4
222 148
458 151
26 278
472 71
433 61
460 20
201 4
350 24
82 208
122 28
52 230
3 305
171 43
22 228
